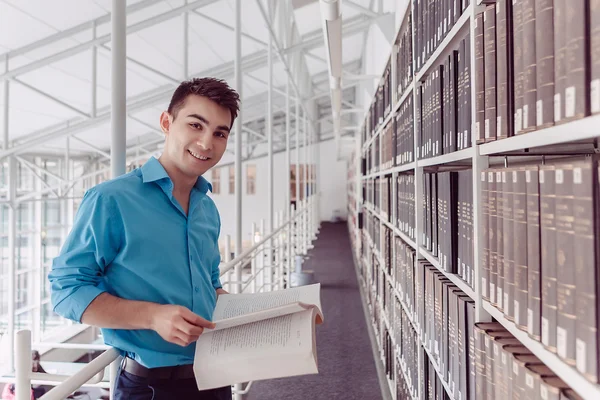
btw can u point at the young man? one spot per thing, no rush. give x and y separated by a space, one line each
142 259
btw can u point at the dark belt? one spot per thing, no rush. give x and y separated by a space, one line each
175 372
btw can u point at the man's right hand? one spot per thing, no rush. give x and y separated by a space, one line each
177 324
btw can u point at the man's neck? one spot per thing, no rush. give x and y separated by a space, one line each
182 184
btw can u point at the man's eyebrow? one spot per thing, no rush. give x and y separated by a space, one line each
202 119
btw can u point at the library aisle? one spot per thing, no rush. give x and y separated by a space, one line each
345 356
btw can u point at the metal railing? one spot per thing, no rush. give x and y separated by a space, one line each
266 266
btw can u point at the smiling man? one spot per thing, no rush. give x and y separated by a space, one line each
142 259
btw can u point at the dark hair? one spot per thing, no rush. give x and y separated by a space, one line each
214 89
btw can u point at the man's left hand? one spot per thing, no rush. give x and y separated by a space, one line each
221 291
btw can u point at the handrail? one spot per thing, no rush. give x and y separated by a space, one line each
93 372
229 265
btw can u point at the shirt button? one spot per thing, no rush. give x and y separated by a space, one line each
196 289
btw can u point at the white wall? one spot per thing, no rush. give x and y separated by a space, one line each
331 179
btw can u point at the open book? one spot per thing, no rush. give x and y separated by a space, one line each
259 336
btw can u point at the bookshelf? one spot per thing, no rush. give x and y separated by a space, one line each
573 138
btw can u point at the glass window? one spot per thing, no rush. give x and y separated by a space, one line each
231 179
216 180
250 179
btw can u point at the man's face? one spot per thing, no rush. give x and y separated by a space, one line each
197 136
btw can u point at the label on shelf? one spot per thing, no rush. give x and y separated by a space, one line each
487 128
539 111
545 331
515 368
499 296
496 349
557 107
529 320
516 305
570 102
561 342
498 122
595 95
518 120
504 358
525 116
505 300
492 292
580 356
484 287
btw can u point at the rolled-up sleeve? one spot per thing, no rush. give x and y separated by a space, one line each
77 275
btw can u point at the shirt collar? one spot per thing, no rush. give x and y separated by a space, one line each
153 171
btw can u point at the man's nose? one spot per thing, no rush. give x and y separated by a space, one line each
205 142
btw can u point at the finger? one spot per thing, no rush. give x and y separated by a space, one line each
189 329
185 338
197 320
177 340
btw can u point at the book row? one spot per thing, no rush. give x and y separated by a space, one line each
537 65
505 369
443 111
447 221
540 248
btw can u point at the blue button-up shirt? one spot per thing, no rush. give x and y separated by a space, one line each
132 239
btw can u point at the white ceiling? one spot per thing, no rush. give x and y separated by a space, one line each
159 46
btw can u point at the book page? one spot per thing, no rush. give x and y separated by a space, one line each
235 305
272 348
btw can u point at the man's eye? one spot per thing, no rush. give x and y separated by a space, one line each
196 126
220 134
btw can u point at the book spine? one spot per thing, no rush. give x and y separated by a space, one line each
452 139
480 364
517 23
544 49
548 247
502 51
508 230
529 65
577 61
485 227
585 198
467 92
459 96
565 258
560 55
520 247
479 80
533 253
493 242
500 201
489 23
595 56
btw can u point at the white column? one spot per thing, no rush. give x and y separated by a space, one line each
118 88
23 366
287 148
270 219
38 277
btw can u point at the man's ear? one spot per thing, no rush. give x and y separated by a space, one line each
165 122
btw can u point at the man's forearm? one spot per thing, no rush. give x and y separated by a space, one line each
108 311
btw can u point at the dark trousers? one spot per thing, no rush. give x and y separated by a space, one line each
133 387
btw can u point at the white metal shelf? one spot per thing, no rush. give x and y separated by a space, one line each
570 375
452 39
578 130
462 285
404 96
455 156
397 168
438 372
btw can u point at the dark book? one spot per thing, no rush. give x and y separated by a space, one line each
485 245
565 259
466 109
560 58
594 56
548 248
491 363
470 322
520 364
517 25
585 197
500 201
520 247
533 253
508 178
460 121
577 61
479 80
501 383
551 387
492 237
508 352
479 332
544 51
502 66
529 66
489 24
453 97
434 215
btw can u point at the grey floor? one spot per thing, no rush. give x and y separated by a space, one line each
346 365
